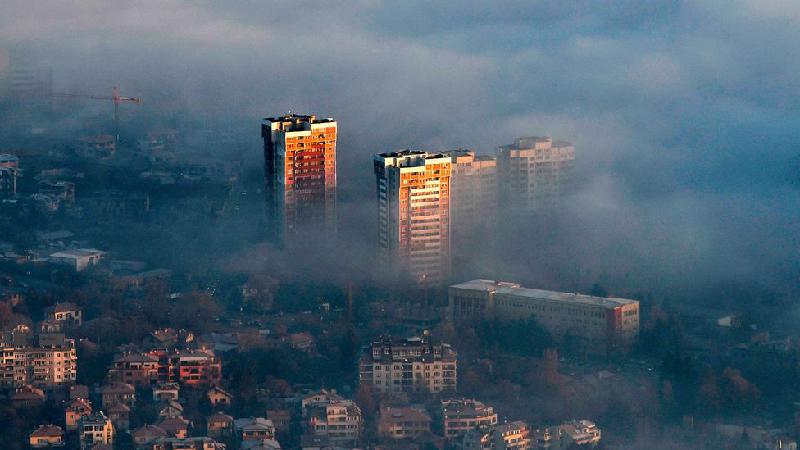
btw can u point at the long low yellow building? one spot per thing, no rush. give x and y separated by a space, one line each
596 324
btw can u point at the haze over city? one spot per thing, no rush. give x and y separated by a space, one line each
587 212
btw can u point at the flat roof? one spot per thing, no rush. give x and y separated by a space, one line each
514 289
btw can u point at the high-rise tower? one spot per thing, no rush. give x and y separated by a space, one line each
534 173
300 166
414 211
473 194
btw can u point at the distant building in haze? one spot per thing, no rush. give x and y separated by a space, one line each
9 171
596 324
300 169
473 194
534 173
413 190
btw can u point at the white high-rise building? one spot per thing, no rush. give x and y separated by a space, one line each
414 211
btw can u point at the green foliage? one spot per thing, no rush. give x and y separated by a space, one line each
523 337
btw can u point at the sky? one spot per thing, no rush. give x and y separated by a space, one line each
684 114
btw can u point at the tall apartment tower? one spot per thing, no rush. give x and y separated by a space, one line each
300 167
414 212
534 173
473 193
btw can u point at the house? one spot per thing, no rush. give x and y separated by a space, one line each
404 422
95 429
218 396
75 411
254 429
170 409
68 313
115 392
322 396
177 427
281 418
219 425
144 437
27 396
166 391
77 259
46 436
120 415
78 391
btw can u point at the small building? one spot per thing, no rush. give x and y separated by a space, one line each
27 396
404 422
177 427
96 429
100 146
46 436
166 391
219 397
66 312
219 425
254 429
145 436
77 409
135 368
171 408
281 418
78 391
462 415
120 415
77 259
321 396
115 392
341 420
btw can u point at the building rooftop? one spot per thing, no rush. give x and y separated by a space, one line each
295 122
77 253
500 287
404 414
6 158
64 307
47 431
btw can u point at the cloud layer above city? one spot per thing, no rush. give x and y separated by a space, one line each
684 114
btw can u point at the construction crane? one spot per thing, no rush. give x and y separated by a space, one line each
115 97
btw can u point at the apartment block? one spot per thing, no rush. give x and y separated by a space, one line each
413 190
462 415
300 168
473 194
596 324
534 173
409 365
51 363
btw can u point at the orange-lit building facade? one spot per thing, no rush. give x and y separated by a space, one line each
414 211
187 367
300 170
